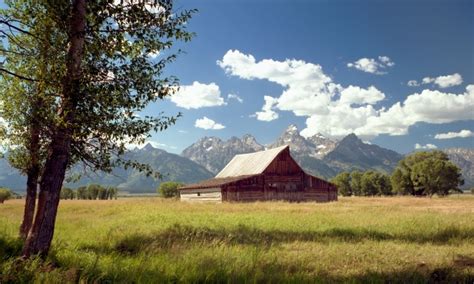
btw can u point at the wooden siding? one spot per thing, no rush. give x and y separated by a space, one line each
294 188
207 194
283 164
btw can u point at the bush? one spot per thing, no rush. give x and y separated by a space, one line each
96 191
5 194
169 189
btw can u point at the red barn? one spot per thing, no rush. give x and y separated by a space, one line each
266 175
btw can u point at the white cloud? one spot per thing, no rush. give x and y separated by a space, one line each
427 80
386 60
307 87
358 95
450 135
442 81
371 65
234 97
206 123
198 95
267 113
428 106
425 147
336 111
448 80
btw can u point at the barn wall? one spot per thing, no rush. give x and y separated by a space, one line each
319 190
207 194
294 188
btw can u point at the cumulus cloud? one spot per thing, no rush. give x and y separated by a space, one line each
371 65
267 113
448 80
442 81
234 97
425 147
358 95
307 87
198 95
450 135
206 123
336 111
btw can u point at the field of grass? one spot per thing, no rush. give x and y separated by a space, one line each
399 239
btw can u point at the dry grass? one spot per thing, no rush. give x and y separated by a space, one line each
154 240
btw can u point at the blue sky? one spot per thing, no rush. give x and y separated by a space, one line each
415 40
333 67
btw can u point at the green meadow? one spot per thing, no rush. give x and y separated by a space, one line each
152 240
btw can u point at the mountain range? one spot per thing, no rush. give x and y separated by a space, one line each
318 155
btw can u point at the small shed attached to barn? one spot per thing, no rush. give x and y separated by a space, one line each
266 175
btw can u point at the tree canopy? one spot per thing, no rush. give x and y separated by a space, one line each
81 71
426 173
368 183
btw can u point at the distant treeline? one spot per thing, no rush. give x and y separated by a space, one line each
418 174
90 192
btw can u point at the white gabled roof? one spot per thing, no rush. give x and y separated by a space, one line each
251 163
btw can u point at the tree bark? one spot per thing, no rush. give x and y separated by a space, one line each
30 202
41 234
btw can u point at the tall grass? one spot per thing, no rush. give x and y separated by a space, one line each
152 240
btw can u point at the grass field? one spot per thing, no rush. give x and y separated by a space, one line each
398 239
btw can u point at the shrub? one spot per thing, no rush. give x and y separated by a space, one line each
169 189
5 194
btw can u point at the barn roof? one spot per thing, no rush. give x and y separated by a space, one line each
250 164
214 182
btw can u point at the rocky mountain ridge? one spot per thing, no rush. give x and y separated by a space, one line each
318 155
464 159
214 153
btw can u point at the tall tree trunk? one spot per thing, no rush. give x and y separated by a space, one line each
41 234
30 204
34 166
31 183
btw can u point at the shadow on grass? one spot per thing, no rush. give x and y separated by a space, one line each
9 247
274 272
181 235
211 269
